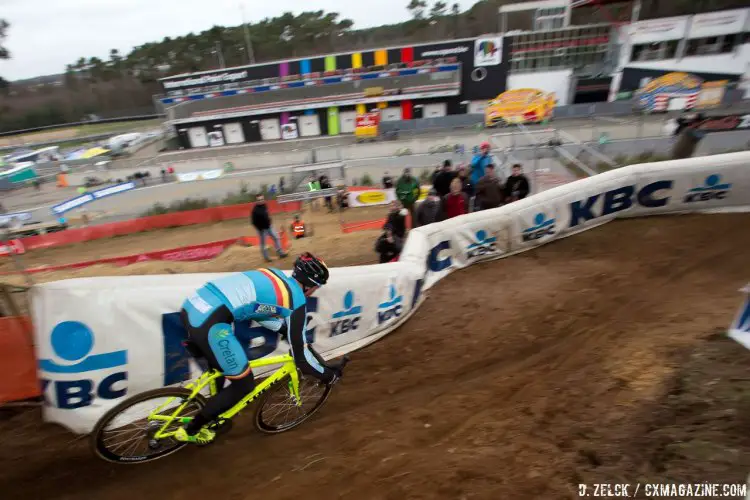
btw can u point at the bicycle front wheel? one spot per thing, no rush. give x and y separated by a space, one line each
126 435
277 411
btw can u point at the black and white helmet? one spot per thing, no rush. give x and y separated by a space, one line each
310 270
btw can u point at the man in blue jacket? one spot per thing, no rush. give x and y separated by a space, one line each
479 163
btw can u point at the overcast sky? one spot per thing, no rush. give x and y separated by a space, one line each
45 35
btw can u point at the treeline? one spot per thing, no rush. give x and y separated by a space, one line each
123 85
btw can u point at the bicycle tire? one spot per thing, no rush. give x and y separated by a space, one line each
265 428
96 439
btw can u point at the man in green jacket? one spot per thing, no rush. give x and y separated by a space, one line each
407 192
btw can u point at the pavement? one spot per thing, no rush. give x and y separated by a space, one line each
269 162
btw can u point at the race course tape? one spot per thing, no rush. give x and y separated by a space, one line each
80 324
192 253
176 219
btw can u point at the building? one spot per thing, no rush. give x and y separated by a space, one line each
322 95
713 46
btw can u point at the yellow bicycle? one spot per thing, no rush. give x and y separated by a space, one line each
128 438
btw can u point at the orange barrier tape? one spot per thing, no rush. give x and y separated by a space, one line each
203 216
18 377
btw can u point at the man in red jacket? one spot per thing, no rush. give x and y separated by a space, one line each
456 202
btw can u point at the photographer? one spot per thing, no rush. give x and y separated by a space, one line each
388 245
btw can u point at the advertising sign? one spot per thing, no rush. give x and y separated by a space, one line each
370 197
289 131
725 22
366 125
488 51
79 201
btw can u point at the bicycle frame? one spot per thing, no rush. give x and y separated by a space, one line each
288 368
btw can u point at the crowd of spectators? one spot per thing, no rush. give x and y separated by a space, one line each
455 191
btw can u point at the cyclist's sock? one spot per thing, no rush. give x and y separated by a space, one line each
227 398
196 424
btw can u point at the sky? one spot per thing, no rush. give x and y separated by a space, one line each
45 35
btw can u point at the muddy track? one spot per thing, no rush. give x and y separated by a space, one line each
515 379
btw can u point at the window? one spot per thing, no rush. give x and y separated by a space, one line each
711 45
656 51
577 47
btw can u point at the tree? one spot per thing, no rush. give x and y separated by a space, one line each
4 25
416 8
438 9
4 54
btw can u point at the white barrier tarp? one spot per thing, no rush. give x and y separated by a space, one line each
101 339
108 338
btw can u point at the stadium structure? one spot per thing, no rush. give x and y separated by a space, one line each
322 95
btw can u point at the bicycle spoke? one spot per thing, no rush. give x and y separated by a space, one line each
281 409
130 433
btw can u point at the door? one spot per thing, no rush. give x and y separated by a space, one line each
392 114
233 133
309 125
270 130
198 137
434 110
348 121
252 131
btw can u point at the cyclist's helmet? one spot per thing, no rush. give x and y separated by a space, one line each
310 270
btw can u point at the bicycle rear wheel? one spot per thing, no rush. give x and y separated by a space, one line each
277 410
125 435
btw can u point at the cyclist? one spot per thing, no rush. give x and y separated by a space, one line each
271 299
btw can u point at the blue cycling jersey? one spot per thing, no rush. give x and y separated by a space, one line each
267 296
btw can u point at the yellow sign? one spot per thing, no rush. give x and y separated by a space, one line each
520 106
712 93
371 197
374 91
682 80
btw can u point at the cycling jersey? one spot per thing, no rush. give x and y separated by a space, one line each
265 296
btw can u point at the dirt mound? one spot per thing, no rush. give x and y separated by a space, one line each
586 360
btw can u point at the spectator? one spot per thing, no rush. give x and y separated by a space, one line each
442 183
397 219
479 163
489 190
261 220
430 210
387 181
456 202
388 245
282 185
687 138
163 175
342 199
298 228
517 185
407 191
325 184
466 186
435 173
